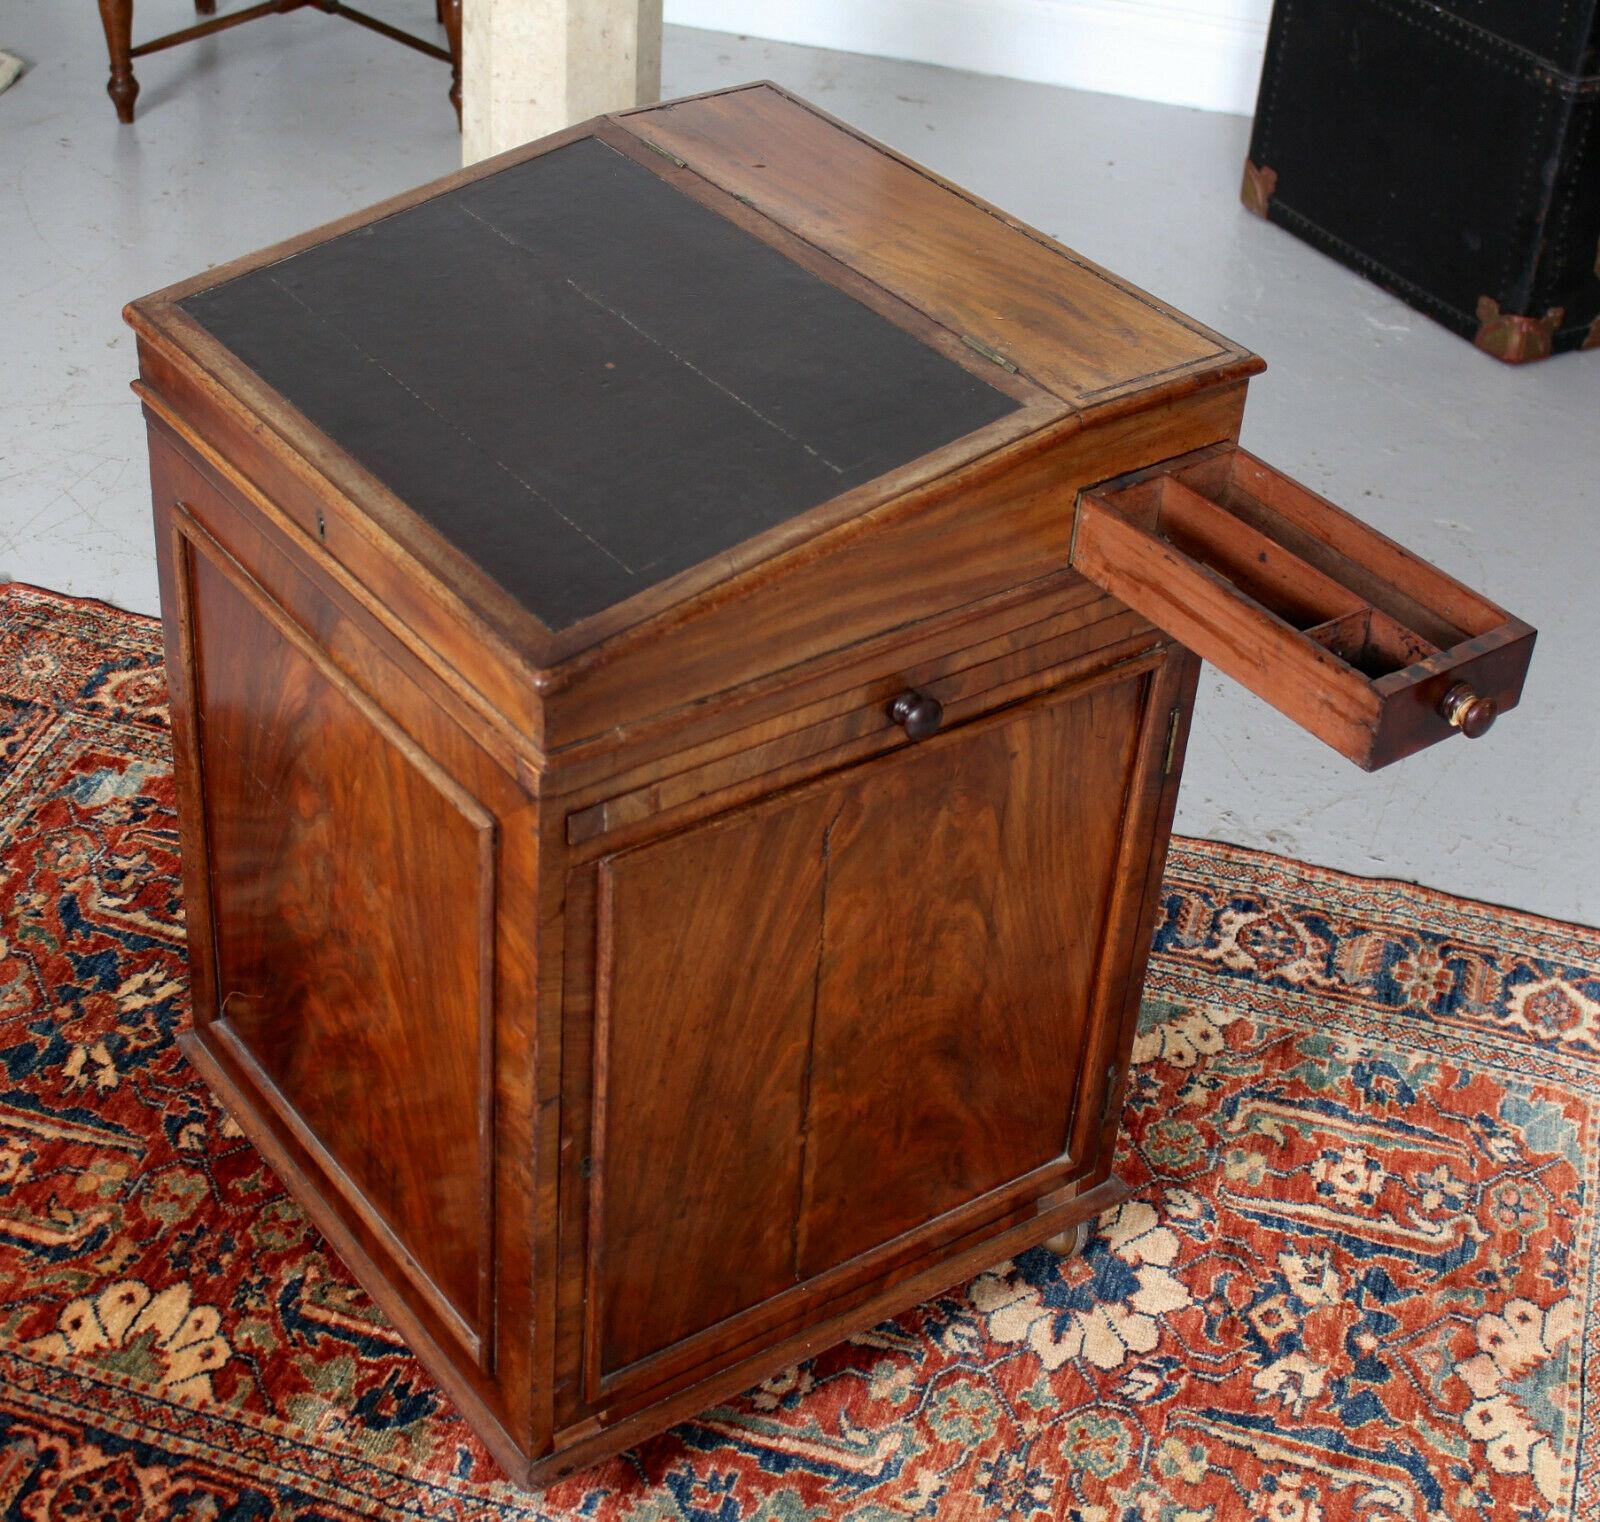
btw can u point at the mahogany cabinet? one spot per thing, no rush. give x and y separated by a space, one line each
681 643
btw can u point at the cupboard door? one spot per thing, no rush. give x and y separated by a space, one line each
963 905
707 993
830 1018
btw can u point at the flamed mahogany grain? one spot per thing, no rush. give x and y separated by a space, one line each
949 1026
708 976
867 969
360 994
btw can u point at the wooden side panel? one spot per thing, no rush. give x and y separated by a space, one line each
482 1352
965 904
708 971
352 898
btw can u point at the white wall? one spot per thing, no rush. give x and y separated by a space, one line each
1203 53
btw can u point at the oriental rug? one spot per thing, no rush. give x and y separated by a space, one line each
1356 1282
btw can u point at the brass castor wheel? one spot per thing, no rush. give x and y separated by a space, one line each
1071 1242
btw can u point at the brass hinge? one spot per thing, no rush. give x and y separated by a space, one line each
1172 741
994 356
657 148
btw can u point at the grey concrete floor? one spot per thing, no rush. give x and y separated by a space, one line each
271 129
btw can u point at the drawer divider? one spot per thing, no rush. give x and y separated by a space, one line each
1360 642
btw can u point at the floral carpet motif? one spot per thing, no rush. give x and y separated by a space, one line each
1356 1279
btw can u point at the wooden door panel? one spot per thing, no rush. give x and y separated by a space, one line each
966 896
352 894
708 968
837 1015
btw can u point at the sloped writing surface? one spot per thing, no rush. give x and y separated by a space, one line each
586 381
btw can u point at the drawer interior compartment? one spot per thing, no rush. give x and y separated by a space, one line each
1352 636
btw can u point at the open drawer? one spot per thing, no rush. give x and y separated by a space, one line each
1353 637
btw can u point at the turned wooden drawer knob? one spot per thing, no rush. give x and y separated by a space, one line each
1469 713
917 713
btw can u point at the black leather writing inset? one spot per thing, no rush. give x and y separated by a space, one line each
586 381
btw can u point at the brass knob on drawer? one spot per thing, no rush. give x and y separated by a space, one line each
917 713
1463 709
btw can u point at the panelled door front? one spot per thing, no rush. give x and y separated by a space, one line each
837 1014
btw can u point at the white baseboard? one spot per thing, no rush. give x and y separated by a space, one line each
1204 53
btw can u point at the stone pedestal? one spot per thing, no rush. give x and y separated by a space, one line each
532 67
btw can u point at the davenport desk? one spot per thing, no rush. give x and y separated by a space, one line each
681 643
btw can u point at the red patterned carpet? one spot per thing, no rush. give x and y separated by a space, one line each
1357 1280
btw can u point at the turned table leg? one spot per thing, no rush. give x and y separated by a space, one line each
122 87
450 15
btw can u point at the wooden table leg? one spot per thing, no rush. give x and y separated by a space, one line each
122 87
450 15
206 7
